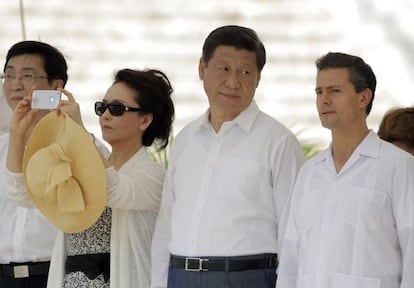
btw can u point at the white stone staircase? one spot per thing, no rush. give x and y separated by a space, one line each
101 36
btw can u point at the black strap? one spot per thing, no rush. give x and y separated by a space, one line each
32 269
92 265
228 264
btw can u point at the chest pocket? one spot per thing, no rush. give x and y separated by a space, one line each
352 281
238 179
309 210
364 208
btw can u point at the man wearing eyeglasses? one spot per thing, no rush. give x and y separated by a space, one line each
27 237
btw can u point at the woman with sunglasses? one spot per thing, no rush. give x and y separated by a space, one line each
136 112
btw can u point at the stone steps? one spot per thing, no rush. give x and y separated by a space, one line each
99 37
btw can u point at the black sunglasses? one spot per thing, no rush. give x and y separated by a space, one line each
116 109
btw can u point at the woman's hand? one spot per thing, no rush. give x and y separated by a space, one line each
70 107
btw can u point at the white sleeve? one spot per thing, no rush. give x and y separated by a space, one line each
160 252
403 207
287 270
137 189
287 160
17 191
288 256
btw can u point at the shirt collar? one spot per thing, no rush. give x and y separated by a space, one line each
245 119
369 147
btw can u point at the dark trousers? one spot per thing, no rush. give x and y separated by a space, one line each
24 275
260 278
38 281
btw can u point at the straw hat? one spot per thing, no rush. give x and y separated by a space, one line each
64 173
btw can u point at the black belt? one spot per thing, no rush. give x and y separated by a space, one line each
24 270
92 265
238 263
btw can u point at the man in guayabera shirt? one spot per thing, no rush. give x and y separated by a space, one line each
352 211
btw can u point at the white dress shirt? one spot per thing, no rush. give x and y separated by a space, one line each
352 229
5 113
225 192
25 234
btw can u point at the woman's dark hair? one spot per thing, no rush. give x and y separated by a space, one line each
153 96
54 62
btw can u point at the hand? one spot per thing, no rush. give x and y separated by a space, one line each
70 107
23 117
21 124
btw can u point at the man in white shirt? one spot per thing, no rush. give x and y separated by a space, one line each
5 112
352 210
27 237
229 176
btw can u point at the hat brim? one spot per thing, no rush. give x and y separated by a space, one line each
86 167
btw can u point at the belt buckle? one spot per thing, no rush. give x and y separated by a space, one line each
196 269
21 271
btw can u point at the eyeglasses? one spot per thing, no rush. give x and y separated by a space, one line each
116 109
26 78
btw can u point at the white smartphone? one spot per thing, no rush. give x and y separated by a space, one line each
46 99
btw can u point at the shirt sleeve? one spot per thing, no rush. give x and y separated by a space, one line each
403 207
17 191
287 270
160 252
286 164
138 187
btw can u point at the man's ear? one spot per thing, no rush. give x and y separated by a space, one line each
365 98
201 68
259 75
58 83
